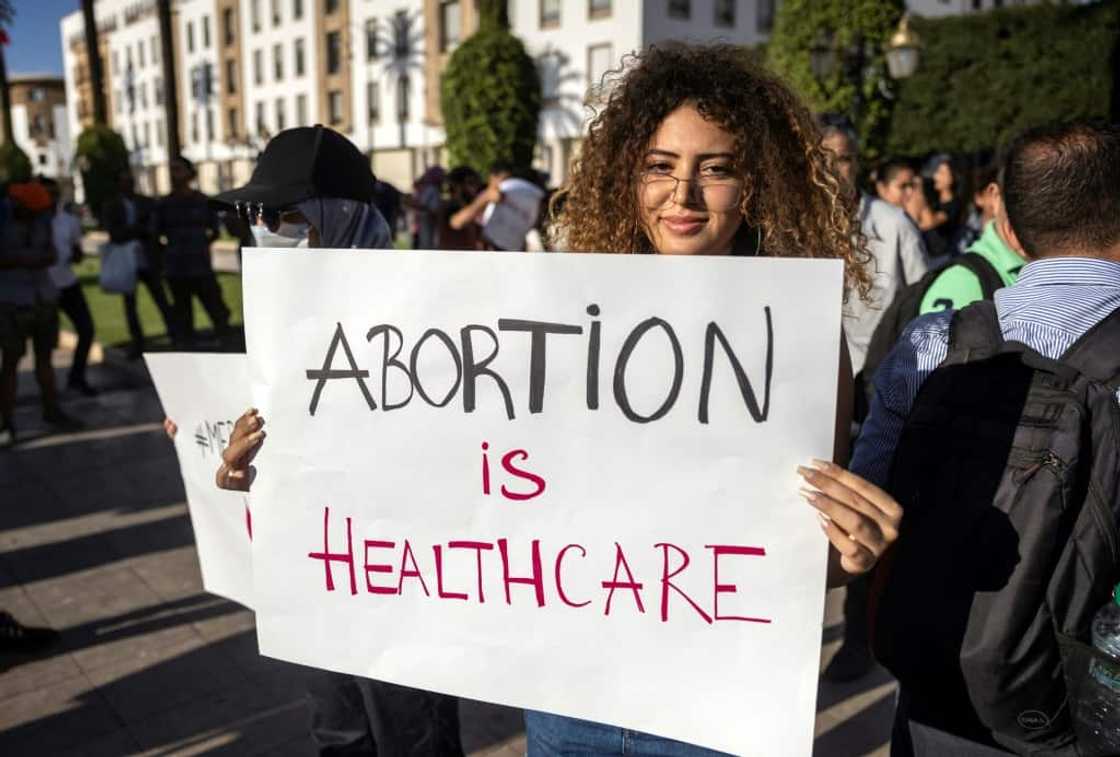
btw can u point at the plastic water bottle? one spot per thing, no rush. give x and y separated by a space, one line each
1102 695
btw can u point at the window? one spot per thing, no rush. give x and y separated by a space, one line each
301 110
135 138
550 13
680 9
42 159
598 8
229 27
159 133
147 135
765 16
334 52
157 87
404 94
278 62
205 32
140 51
231 125
143 95
255 14
275 12
299 57
297 9
373 99
371 39
599 59
209 124
194 126
118 101
155 51
449 26
190 36
258 67
261 130
231 77
116 63
725 13
330 6
334 107
549 67
280 115
401 43
37 94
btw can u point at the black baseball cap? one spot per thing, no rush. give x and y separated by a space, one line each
305 162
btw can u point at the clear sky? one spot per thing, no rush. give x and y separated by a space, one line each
36 45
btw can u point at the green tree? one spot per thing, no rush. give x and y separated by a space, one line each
857 31
986 77
101 156
491 96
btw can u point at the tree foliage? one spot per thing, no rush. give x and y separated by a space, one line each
799 25
491 97
15 166
101 156
986 77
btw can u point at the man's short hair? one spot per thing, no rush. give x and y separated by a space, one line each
1061 188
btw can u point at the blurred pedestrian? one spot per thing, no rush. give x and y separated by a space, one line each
127 217
66 236
894 182
28 302
463 186
187 224
387 198
507 209
426 200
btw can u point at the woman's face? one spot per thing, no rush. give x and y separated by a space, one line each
898 190
943 178
688 191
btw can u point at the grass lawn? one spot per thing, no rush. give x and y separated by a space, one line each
110 326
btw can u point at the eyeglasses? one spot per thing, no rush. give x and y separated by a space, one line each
270 217
717 193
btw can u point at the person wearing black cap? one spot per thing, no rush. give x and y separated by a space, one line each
313 188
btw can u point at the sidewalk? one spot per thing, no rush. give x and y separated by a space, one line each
95 540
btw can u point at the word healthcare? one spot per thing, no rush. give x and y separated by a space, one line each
470 366
379 561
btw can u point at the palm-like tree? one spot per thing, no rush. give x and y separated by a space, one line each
93 57
7 14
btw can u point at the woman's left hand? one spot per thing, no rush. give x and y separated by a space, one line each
860 519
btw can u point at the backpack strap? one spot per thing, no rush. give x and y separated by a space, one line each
978 265
974 333
1097 353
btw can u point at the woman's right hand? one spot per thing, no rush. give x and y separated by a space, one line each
236 471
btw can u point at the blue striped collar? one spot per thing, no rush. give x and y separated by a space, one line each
1070 271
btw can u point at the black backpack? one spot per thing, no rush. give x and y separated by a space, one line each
1008 472
903 309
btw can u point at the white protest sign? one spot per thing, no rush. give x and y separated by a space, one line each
561 482
204 394
508 222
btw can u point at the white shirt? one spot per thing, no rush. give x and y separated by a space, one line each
66 231
506 224
898 259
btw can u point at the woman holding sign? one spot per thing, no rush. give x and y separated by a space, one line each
697 152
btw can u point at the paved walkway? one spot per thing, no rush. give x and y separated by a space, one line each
95 540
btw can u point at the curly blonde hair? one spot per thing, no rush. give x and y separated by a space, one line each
790 192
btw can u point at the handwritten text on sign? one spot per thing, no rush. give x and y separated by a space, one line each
555 481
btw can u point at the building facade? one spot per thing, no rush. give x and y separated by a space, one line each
40 124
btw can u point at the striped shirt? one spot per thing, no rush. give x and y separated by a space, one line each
1054 302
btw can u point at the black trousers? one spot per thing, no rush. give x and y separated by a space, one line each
359 716
206 289
73 302
154 282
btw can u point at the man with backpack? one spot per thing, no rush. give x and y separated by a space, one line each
997 428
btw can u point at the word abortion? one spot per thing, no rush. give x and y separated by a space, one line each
380 561
470 366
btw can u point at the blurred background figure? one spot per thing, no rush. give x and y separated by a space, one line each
894 182
463 187
387 198
427 198
66 237
127 217
187 223
506 210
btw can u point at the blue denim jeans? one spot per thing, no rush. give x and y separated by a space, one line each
549 735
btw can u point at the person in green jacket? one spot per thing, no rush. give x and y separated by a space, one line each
957 286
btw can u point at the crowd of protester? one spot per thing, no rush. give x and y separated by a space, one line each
947 262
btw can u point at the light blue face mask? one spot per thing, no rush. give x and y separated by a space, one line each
286 235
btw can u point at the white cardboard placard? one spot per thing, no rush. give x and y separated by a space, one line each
401 541
204 394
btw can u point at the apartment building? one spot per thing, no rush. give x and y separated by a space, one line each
39 123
